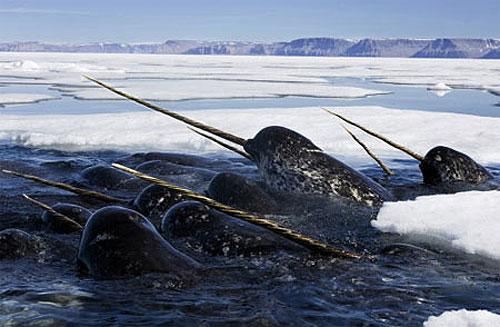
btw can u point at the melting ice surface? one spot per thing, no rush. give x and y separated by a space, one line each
22 98
78 122
143 131
464 318
467 221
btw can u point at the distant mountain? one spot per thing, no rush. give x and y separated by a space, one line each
314 47
441 48
221 48
323 46
493 54
386 48
457 48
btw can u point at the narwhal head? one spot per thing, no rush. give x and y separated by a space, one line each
276 140
445 165
441 165
118 242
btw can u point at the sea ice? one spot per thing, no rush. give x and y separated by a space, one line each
439 87
250 72
173 90
24 65
145 130
467 221
52 67
464 318
23 98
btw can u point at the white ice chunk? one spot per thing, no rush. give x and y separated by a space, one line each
464 318
23 65
439 87
468 221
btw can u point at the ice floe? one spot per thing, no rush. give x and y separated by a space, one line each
250 72
172 90
464 318
146 130
439 89
467 221
23 98
53 67
23 65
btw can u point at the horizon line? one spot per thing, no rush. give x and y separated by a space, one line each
257 41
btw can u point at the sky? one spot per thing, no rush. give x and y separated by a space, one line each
75 21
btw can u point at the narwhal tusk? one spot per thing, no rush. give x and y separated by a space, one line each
294 236
225 135
380 137
66 187
225 145
52 211
382 165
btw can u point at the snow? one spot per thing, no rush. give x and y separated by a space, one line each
146 130
23 98
440 93
464 318
467 221
256 76
52 67
439 87
177 80
177 77
464 221
24 65
173 90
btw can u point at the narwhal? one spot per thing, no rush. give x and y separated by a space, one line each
290 162
440 166
172 194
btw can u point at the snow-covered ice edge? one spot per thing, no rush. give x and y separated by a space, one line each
464 318
146 130
23 98
466 221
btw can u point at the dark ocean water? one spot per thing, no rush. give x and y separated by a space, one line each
399 287
402 285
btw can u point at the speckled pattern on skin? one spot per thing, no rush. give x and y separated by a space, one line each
444 165
192 226
153 201
290 162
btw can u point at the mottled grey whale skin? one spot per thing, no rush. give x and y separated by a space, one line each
105 176
443 165
73 211
195 227
153 201
161 168
16 244
119 242
109 178
290 162
240 192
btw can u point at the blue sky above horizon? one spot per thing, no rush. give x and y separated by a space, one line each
256 20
